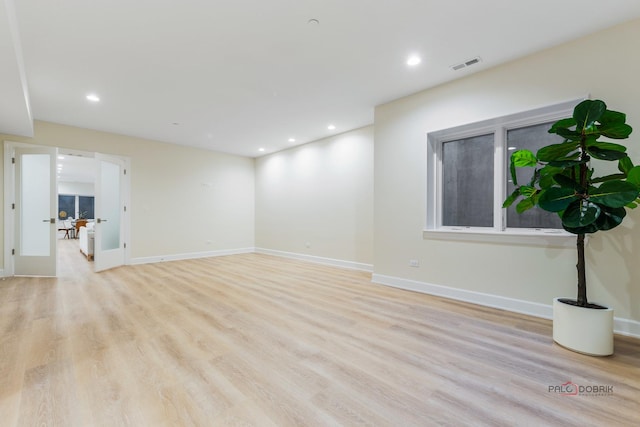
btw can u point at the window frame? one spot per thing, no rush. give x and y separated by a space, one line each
498 127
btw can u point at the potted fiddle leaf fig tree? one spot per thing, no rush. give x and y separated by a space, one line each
564 180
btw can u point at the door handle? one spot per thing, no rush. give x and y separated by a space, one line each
99 220
50 220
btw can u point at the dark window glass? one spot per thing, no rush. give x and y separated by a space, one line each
66 206
85 206
467 175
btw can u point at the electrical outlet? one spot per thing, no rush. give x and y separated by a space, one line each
414 263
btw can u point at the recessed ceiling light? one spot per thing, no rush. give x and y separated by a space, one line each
331 127
261 150
413 60
93 97
511 148
292 140
61 157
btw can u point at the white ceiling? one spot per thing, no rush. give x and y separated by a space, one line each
234 76
73 166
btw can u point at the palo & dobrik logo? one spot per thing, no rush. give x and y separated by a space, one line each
572 389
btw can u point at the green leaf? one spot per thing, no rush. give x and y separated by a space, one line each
567 134
523 158
625 164
601 154
591 228
580 214
614 194
607 146
610 117
633 175
556 151
556 199
587 113
567 163
550 170
546 175
546 182
512 170
615 130
512 198
565 181
527 190
608 178
610 218
524 205
563 124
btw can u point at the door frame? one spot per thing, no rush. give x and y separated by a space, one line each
10 196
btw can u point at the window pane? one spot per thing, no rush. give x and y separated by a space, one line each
467 175
85 206
531 138
110 192
66 207
36 198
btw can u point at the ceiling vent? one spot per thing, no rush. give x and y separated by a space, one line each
465 64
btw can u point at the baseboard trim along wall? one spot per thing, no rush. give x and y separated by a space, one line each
621 326
318 260
192 255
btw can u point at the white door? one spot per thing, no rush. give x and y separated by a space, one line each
109 247
36 208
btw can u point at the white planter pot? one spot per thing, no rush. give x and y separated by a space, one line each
584 330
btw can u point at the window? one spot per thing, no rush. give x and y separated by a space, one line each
468 174
531 138
66 207
467 192
73 206
85 206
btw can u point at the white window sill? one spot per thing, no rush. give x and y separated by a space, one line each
550 238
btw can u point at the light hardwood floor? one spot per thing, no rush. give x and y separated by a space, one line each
258 340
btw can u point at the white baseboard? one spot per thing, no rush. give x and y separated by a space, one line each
302 257
318 260
622 326
192 255
626 327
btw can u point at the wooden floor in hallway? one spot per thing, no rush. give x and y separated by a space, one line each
256 340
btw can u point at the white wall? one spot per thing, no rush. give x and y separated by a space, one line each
605 65
317 199
184 201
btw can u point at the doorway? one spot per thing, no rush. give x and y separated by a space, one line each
70 173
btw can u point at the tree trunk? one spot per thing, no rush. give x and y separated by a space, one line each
582 277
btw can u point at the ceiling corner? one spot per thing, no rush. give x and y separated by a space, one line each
15 108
